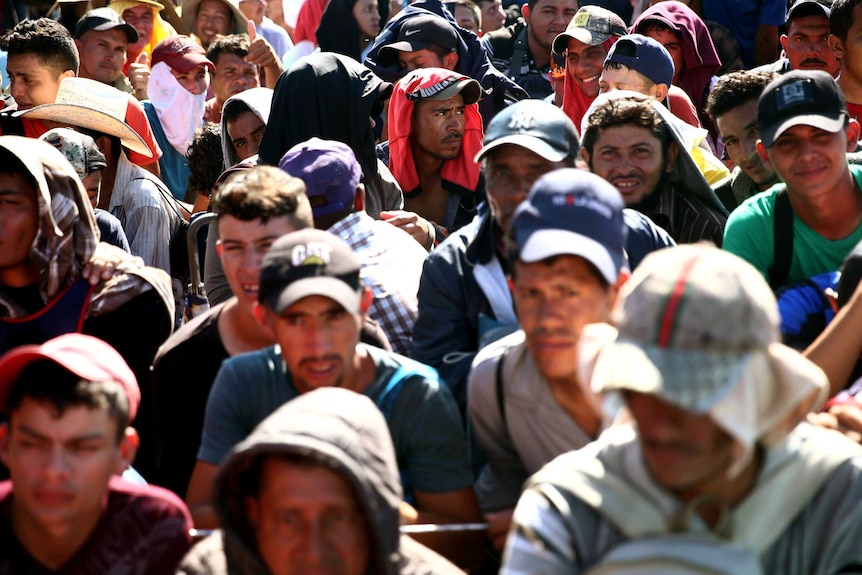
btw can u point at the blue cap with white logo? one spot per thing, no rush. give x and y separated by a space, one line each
572 212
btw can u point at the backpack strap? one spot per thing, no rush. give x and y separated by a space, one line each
782 240
518 53
498 385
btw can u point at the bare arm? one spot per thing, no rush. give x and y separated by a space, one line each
837 349
199 495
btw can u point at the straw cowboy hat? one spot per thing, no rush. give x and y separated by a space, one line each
190 11
86 103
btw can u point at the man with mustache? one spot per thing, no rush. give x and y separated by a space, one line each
719 460
312 302
806 43
635 143
732 105
434 133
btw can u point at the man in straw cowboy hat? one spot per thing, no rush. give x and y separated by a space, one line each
717 459
137 198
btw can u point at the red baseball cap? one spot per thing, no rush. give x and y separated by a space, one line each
86 356
181 53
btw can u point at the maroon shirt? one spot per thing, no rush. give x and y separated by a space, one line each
144 530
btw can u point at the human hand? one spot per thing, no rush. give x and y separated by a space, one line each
262 53
105 262
421 229
408 513
844 417
139 75
498 527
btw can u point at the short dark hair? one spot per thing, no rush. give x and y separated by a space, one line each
651 25
236 44
232 110
205 161
46 382
623 112
736 89
264 192
46 39
841 17
472 7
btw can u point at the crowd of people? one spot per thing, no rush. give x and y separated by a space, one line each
359 287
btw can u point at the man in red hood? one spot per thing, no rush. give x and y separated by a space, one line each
434 133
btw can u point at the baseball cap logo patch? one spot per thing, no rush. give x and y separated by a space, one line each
794 94
588 203
311 254
431 90
521 120
581 20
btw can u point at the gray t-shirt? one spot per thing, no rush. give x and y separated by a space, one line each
423 419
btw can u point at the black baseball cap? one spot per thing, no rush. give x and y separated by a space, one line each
535 125
306 263
101 20
800 97
419 33
807 8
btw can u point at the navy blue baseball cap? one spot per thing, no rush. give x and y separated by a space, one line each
645 55
572 212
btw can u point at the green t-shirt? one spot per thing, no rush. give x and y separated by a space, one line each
749 234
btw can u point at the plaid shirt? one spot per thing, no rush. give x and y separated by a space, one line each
391 266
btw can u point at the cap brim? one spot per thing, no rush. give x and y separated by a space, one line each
694 380
829 122
389 54
333 288
561 42
191 61
531 143
82 117
131 33
469 89
546 243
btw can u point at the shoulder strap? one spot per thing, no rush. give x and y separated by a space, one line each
176 206
498 385
386 399
782 240
518 54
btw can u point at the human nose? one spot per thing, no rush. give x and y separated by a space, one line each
56 464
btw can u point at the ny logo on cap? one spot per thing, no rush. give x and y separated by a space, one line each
521 121
310 254
794 94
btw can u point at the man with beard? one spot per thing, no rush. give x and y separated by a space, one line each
522 51
634 143
434 133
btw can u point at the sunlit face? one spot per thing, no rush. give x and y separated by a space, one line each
438 127
493 16
306 519
625 78
849 52
673 44
683 451
19 222
584 65
60 465
140 18
196 80
367 16
555 299
245 133
103 55
32 83
213 18
242 246
547 19
807 45
318 340
630 157
510 172
466 19
233 75
810 160
740 133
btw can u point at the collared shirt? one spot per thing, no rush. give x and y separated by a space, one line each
391 266
146 218
686 219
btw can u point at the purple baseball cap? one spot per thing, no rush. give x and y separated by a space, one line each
329 169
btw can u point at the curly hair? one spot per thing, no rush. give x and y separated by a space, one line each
736 89
205 161
46 39
622 112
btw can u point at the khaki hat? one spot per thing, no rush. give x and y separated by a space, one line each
86 103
